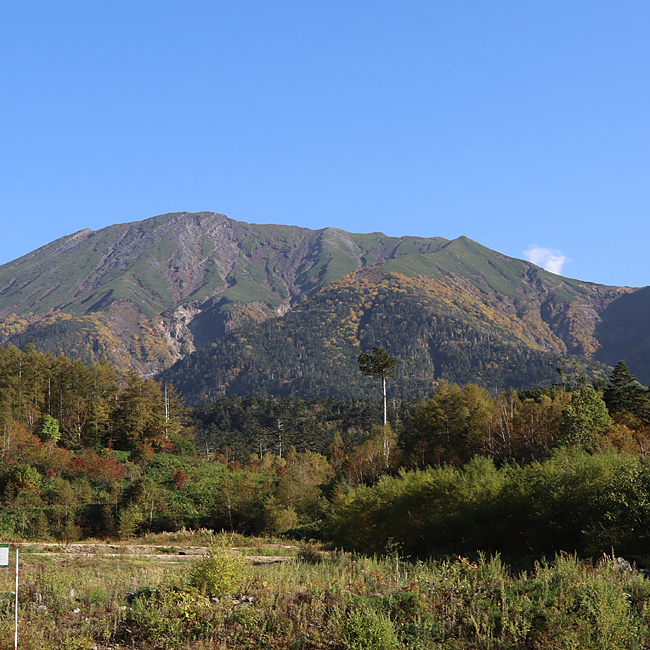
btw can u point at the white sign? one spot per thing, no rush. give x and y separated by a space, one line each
4 554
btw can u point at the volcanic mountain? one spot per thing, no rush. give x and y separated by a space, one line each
239 307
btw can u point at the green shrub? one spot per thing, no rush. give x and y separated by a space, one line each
129 520
364 628
310 555
278 519
313 530
574 502
166 618
220 571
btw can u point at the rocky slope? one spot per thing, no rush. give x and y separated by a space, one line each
441 327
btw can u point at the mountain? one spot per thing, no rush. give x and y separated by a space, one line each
148 293
237 307
463 313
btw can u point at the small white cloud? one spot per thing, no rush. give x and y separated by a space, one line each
547 258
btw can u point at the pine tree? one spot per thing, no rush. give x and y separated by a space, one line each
625 393
378 364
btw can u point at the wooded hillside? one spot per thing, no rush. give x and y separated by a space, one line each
147 294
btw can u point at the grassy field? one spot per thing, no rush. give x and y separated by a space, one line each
163 592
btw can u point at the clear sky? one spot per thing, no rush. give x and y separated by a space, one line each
524 125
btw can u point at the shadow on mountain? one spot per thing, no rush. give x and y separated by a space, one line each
624 333
209 325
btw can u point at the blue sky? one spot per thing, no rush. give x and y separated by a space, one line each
522 125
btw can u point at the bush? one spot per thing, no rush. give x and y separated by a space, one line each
366 629
220 571
313 530
573 501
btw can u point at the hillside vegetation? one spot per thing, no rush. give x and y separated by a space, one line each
435 515
435 329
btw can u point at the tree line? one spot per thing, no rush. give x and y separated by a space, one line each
93 405
450 427
88 452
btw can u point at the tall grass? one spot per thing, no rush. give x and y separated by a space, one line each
328 600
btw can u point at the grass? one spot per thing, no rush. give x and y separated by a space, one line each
321 600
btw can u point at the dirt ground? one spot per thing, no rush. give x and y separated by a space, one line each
164 553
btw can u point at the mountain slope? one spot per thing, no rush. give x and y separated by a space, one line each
269 308
435 327
184 278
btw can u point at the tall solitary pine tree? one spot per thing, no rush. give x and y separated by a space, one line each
378 364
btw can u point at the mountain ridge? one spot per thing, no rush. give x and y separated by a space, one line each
191 276
148 294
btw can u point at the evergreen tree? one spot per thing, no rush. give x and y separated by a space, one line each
337 453
378 364
625 393
440 426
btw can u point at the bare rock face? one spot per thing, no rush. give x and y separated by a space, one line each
176 329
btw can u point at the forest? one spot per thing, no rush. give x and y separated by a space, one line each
87 452
492 520
435 330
